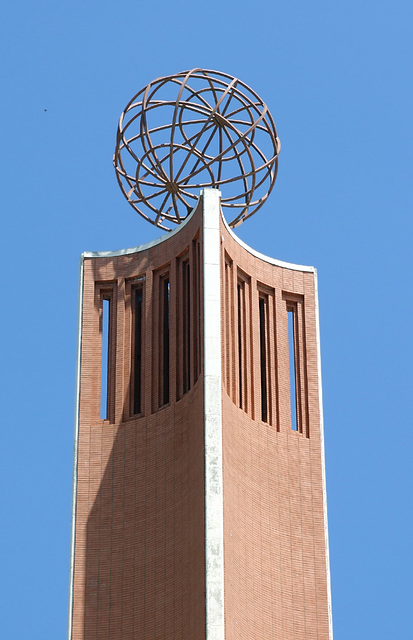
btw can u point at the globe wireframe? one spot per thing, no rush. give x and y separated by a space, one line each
195 129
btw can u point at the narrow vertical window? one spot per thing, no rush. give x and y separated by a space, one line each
186 327
228 332
241 345
104 377
196 323
137 303
164 339
297 357
244 343
268 363
263 310
293 363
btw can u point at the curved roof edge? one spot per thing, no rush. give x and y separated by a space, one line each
166 236
148 245
261 256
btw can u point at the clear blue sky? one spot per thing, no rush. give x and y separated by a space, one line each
337 78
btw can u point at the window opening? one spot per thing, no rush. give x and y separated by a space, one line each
196 323
293 364
186 326
164 326
104 377
137 293
241 352
227 325
263 309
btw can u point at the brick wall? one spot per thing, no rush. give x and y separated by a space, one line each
139 548
139 564
274 537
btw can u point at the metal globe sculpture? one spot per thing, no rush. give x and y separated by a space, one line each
191 130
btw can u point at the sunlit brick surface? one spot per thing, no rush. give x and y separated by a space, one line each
139 570
274 538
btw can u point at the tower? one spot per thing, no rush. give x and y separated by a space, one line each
199 488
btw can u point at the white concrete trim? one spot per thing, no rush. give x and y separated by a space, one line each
169 234
323 464
142 247
261 256
214 516
75 453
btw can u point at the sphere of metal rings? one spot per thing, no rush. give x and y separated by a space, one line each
191 130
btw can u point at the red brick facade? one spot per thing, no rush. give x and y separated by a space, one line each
274 529
139 534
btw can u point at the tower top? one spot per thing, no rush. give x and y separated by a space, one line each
195 129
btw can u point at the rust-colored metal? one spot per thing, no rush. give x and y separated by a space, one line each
195 129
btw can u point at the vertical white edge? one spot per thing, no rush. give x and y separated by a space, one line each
75 452
323 465
214 520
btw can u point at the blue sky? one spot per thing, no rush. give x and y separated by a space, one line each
337 79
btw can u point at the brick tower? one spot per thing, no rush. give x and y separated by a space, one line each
199 490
